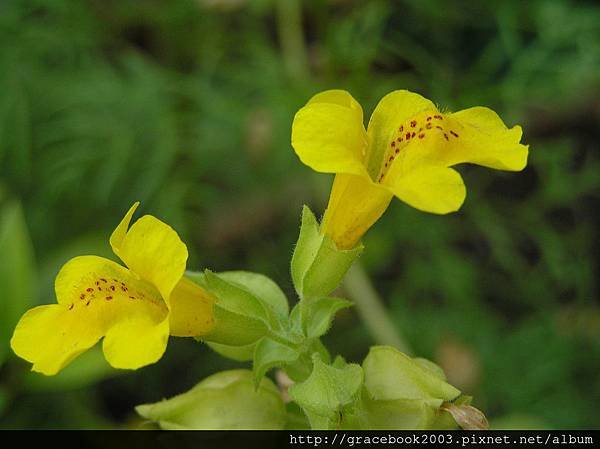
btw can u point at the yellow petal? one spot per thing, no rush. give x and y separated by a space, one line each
118 235
51 336
355 204
485 140
191 310
96 297
152 250
135 341
434 189
328 133
392 111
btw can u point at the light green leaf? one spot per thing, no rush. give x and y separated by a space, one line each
262 287
326 391
269 354
399 414
233 329
224 401
320 315
239 353
17 271
235 298
391 375
318 266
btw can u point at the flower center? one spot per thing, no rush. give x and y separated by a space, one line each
414 130
106 290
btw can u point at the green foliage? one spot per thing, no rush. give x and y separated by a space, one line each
17 271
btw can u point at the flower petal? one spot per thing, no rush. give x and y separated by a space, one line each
434 189
94 296
118 235
152 250
392 111
355 204
51 336
191 310
485 140
328 133
135 341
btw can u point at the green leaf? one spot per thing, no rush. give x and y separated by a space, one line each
320 315
239 353
326 391
262 287
318 266
224 401
233 329
306 248
399 414
269 354
17 271
235 298
391 375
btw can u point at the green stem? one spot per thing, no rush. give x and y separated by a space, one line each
360 290
289 24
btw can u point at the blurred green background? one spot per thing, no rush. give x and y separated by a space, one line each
187 106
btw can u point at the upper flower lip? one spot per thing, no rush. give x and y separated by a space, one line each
152 250
408 146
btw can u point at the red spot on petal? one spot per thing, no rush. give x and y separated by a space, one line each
89 289
421 136
453 133
413 123
71 306
108 298
407 136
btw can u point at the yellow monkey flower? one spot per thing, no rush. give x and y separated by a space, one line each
406 151
134 308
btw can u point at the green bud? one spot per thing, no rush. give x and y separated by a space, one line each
401 393
391 375
224 401
318 266
326 391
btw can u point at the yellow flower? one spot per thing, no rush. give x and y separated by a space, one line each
134 309
406 152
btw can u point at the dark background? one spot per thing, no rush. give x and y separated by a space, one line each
187 106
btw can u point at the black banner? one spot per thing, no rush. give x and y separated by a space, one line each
304 439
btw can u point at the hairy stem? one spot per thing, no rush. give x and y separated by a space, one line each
360 290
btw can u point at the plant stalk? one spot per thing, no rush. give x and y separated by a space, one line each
360 290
